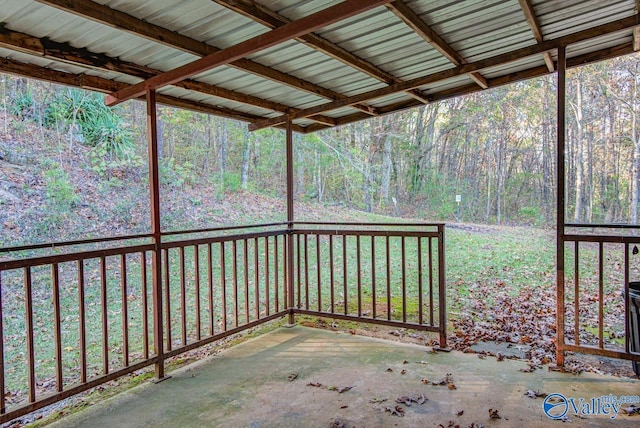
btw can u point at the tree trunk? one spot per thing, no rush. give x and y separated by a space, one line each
244 178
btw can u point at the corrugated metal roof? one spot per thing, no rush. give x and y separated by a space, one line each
295 74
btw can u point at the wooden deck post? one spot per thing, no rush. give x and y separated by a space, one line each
560 204
156 262
290 216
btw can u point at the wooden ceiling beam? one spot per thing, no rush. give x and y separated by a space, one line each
544 46
130 24
305 25
534 72
417 24
271 19
99 84
44 47
534 24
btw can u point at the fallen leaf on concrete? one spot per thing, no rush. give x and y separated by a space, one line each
406 400
339 389
422 362
292 376
452 386
344 407
460 413
405 362
493 414
632 410
534 394
316 384
395 411
403 371
337 424
389 369
377 400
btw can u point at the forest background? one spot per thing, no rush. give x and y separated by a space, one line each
73 168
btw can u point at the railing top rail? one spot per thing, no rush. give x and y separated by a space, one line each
222 238
372 224
602 238
53 245
68 257
369 232
602 226
223 228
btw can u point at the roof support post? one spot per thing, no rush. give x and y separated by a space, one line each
560 202
156 231
290 218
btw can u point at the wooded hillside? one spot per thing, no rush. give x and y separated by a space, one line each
63 154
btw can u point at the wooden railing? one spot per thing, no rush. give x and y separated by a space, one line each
594 304
76 315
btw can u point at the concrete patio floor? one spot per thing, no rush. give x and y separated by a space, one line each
248 386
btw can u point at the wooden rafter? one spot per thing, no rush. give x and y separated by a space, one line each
274 37
532 19
41 46
99 84
271 19
128 23
538 71
537 49
409 17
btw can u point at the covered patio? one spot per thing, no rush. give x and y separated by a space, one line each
300 66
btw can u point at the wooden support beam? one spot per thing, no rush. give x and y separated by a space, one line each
597 56
42 46
99 84
271 19
532 19
544 46
130 24
636 39
411 18
289 31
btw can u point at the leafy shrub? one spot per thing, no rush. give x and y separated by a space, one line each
61 195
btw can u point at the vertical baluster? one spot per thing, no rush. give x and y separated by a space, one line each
31 358
431 281
331 275
210 286
3 407
298 268
167 299
105 311
125 309
419 280
600 295
404 280
245 258
576 295
359 275
275 274
57 331
318 271
266 276
223 285
145 303
256 284
82 323
196 268
344 272
373 276
388 261
627 333
306 271
234 246
183 298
